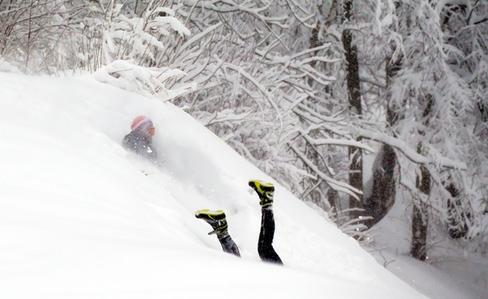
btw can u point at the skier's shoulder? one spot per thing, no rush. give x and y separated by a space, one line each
128 140
133 139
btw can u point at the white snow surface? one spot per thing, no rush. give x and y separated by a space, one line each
80 217
449 273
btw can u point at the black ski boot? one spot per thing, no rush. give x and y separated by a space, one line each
216 219
265 192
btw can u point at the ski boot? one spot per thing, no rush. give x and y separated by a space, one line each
216 219
265 192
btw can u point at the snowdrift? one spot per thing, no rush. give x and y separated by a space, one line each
80 217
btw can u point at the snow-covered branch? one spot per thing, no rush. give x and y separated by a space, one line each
334 184
409 153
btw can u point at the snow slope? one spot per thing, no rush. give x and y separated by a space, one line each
82 218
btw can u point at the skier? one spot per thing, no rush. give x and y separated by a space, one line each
217 220
139 140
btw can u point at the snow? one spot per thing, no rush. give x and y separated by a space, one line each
146 81
7 67
407 151
80 217
174 23
450 273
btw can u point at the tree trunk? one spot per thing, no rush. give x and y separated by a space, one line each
29 33
483 109
420 214
420 218
458 216
354 90
383 191
332 199
456 229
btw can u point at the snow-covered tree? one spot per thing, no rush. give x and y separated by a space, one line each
428 115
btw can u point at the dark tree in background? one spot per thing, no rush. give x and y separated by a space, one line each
355 109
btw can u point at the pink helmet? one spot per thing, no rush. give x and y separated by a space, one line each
141 123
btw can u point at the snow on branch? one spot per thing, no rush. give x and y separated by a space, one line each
160 23
302 20
334 184
197 37
409 153
150 81
288 59
225 116
345 142
229 6
256 83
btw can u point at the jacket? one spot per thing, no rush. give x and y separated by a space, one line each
140 144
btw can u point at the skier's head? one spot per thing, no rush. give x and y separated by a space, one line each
143 125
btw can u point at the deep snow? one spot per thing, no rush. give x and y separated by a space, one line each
80 217
449 273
